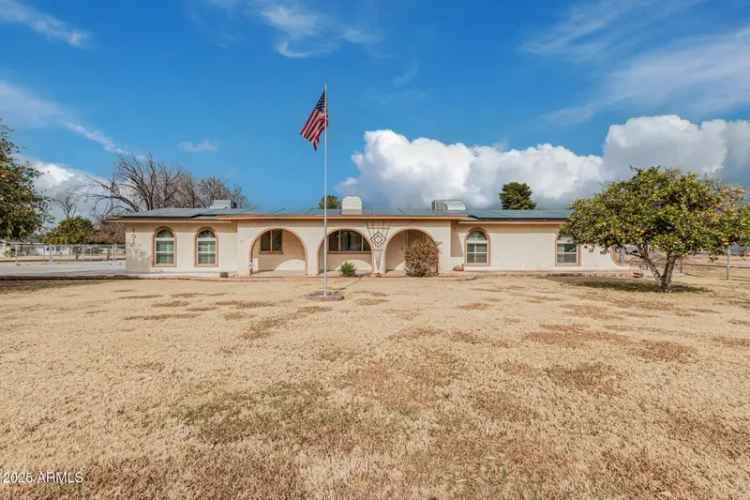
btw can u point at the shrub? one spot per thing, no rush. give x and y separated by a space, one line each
347 269
422 258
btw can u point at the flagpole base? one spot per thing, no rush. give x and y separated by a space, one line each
331 296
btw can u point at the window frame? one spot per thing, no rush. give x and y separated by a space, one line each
558 242
365 246
196 247
271 250
486 243
154 247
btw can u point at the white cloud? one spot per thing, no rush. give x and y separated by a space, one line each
198 147
95 136
301 32
57 180
593 29
17 12
21 108
399 172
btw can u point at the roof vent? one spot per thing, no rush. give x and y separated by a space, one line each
223 204
351 205
448 206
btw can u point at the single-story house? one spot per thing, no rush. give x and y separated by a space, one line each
242 242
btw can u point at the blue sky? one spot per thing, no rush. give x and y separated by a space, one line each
427 99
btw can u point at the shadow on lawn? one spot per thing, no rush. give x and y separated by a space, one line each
11 286
621 284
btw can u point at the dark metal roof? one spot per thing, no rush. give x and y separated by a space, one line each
209 213
519 214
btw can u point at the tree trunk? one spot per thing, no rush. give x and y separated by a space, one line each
665 284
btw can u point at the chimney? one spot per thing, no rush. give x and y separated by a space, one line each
351 205
223 204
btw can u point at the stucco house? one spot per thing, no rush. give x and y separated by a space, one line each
242 242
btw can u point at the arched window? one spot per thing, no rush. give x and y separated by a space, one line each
347 241
567 251
164 248
477 249
205 248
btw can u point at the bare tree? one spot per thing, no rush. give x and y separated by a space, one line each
67 201
139 184
213 188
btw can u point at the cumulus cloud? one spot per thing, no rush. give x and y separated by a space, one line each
57 180
203 146
398 172
16 12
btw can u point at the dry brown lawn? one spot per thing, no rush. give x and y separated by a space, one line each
495 387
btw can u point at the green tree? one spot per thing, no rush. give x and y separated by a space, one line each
72 231
665 211
516 196
22 209
333 202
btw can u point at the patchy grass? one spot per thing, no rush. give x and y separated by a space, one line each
173 303
594 378
665 351
370 302
615 392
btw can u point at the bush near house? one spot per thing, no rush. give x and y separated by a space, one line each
347 269
422 258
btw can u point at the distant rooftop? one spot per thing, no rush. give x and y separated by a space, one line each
211 213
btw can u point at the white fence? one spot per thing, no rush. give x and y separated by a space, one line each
33 252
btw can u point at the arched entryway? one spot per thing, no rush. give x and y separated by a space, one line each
347 245
395 250
278 250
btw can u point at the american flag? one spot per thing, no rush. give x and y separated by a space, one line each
316 122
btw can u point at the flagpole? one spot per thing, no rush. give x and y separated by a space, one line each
325 195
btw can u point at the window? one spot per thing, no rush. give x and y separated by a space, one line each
206 248
567 251
347 241
476 248
270 241
164 248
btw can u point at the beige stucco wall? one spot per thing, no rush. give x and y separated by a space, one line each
292 258
139 247
513 246
532 247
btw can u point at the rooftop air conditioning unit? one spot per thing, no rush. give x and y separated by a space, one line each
351 205
448 206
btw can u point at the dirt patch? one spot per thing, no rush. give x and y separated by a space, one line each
235 315
24 286
409 382
710 431
138 297
305 310
733 341
665 351
173 303
201 308
244 304
591 312
161 317
475 306
265 327
573 335
370 302
595 378
641 474
503 406
739 322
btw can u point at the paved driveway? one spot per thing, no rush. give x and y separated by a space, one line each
106 268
